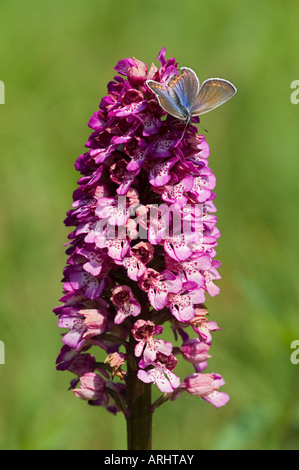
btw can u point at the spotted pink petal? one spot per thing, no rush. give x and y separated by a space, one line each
165 380
161 147
182 306
159 172
135 268
138 159
133 108
151 124
177 193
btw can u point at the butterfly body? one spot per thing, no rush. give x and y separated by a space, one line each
183 97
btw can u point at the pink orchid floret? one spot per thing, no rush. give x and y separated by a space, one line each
142 251
92 387
161 373
158 286
97 391
182 305
206 386
144 332
202 326
82 325
195 351
123 299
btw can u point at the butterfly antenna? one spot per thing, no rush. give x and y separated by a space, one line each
206 130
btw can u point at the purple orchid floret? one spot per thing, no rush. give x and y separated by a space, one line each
123 299
143 248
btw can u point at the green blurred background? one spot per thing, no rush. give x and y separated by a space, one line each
55 60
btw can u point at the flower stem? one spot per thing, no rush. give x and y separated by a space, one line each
139 417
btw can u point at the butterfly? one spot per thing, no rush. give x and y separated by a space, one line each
183 97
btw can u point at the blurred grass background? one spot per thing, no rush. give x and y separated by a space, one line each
55 60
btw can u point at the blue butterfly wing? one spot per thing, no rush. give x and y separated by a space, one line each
171 104
185 87
213 93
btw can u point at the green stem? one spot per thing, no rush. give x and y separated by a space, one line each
162 399
139 416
